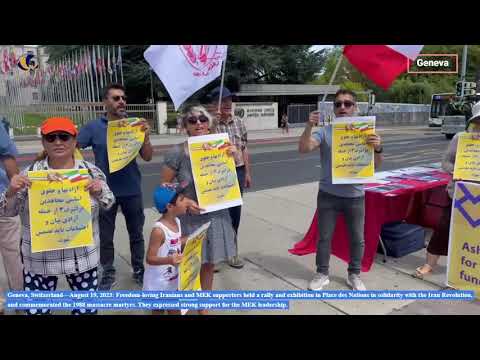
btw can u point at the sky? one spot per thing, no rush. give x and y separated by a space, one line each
320 47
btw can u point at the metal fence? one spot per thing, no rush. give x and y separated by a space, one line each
25 119
386 113
298 113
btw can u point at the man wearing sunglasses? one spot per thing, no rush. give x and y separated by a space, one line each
125 185
9 226
334 199
225 122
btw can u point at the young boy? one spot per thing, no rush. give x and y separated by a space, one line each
164 252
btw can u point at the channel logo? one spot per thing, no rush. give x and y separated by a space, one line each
28 62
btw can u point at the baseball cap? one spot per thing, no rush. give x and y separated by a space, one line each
215 93
55 124
164 194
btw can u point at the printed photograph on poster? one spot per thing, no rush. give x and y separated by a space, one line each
124 141
463 263
214 172
352 158
60 210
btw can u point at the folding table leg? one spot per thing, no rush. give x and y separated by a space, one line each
384 250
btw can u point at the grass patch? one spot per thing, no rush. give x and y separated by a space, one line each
34 119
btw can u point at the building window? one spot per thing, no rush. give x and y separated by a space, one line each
35 96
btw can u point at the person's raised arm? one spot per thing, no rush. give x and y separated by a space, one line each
10 165
375 141
307 143
146 151
12 199
448 161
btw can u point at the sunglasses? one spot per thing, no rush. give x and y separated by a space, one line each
52 137
117 98
347 104
193 119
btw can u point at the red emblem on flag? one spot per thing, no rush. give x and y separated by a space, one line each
202 58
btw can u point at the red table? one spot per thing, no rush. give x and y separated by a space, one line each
421 205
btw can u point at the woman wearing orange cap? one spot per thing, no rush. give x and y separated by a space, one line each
79 265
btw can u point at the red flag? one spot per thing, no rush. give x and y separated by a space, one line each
381 63
100 65
13 59
6 65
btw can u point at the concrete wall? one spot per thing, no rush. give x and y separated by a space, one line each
257 116
162 117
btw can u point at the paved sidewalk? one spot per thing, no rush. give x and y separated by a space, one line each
272 221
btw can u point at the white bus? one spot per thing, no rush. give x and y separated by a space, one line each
438 108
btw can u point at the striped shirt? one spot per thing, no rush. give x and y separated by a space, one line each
66 261
237 132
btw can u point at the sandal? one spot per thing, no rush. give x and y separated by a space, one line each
420 272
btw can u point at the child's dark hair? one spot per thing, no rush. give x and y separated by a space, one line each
173 202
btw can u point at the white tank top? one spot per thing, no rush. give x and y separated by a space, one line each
164 277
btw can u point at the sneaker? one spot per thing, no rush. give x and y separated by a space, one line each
353 280
138 277
107 282
236 263
318 282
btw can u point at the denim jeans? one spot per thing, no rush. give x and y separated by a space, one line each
329 207
132 209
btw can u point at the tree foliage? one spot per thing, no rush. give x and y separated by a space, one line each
408 88
286 64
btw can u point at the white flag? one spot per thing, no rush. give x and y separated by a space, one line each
185 69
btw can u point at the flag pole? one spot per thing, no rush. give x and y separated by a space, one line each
121 62
114 60
221 83
332 78
152 101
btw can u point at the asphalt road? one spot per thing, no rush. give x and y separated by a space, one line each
277 165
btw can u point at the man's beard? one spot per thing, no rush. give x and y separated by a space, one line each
120 113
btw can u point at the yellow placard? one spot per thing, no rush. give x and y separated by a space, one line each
467 160
214 172
60 210
189 268
124 141
463 271
352 158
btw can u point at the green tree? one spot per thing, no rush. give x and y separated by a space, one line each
424 84
285 64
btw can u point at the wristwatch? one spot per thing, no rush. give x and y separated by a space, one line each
379 151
